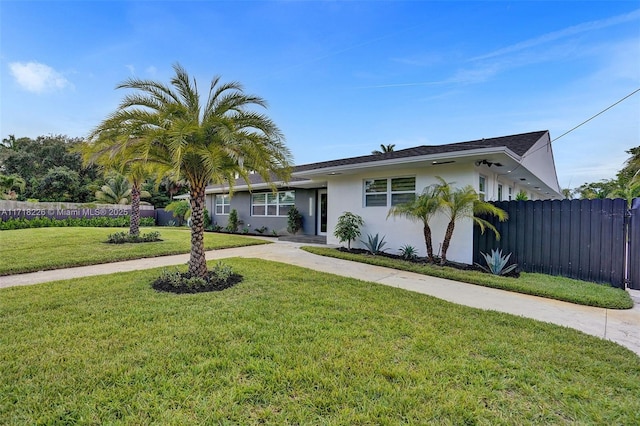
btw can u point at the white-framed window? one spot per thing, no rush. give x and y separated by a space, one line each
223 205
482 187
499 192
510 193
272 204
385 192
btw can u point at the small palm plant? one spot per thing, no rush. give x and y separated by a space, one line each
496 263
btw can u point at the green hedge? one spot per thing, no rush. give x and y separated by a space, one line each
97 222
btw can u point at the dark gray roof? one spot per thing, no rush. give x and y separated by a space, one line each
519 144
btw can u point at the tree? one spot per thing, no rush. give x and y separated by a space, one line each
384 148
59 184
422 209
33 159
116 191
181 210
461 203
210 142
348 227
628 192
128 163
8 185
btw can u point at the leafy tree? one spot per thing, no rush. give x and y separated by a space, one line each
8 185
59 184
384 148
348 227
33 159
214 141
462 203
422 209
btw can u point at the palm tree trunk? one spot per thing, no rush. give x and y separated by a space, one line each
447 240
427 240
134 225
197 261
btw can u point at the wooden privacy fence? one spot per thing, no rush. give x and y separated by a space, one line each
591 240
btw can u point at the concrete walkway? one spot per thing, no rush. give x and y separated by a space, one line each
620 326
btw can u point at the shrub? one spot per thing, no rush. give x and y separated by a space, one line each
348 227
219 278
496 263
294 220
125 237
374 244
232 224
408 252
94 222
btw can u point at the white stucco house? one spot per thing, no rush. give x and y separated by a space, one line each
498 168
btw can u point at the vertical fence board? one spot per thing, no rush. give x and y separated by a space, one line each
583 239
634 245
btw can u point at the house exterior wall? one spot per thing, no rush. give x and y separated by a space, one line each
241 201
346 193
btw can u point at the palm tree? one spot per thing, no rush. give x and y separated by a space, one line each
210 142
628 192
422 209
115 191
461 203
384 149
131 172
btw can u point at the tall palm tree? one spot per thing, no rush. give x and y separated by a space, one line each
422 209
132 168
461 203
210 142
384 148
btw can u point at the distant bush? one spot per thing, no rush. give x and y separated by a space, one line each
94 222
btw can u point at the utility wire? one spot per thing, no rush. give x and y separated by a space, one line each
601 112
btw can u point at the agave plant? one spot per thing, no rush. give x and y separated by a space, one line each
374 244
496 263
408 252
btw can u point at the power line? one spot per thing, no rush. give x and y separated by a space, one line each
601 112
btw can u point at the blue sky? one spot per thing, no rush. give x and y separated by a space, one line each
342 77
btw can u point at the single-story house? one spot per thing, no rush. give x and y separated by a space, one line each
498 168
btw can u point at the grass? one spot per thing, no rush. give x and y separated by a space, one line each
29 250
294 346
552 287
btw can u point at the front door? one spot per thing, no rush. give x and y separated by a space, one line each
322 212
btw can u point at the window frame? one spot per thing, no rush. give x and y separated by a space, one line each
275 200
388 193
482 187
223 197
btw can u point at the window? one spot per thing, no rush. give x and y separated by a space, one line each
389 191
482 187
222 204
272 204
510 193
499 192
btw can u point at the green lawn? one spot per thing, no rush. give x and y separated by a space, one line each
293 346
559 288
28 250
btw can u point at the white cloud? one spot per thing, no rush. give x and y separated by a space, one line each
38 78
151 70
